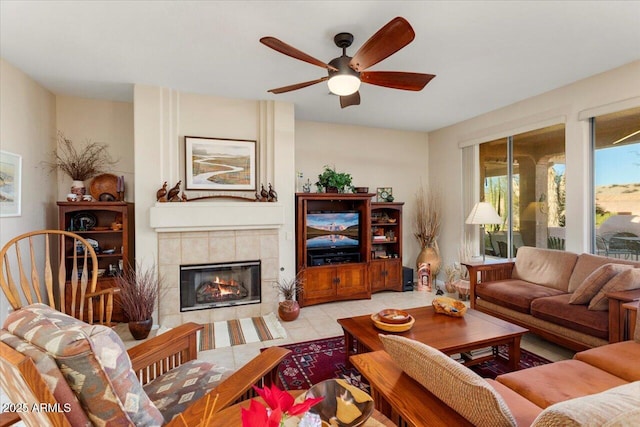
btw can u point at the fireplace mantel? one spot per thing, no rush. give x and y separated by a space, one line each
205 216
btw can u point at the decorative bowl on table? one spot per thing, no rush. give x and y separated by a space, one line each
343 405
392 327
449 306
394 316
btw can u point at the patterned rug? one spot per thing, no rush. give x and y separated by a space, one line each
240 331
313 361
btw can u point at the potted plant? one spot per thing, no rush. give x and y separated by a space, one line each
139 289
334 182
427 221
289 309
82 163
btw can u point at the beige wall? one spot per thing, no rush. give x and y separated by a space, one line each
163 117
373 157
100 121
27 128
614 90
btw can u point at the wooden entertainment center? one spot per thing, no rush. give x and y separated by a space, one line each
347 246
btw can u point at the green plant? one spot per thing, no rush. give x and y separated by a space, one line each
330 178
139 290
80 163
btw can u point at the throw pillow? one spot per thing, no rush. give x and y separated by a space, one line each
454 384
617 406
595 281
627 280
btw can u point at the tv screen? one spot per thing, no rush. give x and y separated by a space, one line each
333 230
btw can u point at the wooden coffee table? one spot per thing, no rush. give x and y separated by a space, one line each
448 334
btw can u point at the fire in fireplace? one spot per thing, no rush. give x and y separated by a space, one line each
219 285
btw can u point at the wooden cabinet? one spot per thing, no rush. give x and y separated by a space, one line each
385 270
115 244
339 270
334 283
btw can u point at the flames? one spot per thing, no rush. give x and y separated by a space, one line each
220 289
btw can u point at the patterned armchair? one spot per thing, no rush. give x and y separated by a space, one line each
86 376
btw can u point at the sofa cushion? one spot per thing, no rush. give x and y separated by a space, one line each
556 309
626 280
56 383
587 263
619 406
454 384
94 362
523 410
619 359
173 391
535 383
595 281
514 294
546 267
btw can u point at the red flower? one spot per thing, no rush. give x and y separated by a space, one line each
280 402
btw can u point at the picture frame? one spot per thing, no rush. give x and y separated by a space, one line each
383 193
219 164
10 184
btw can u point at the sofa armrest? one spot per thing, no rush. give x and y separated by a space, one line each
164 352
618 316
260 371
487 271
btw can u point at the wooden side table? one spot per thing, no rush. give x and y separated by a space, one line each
631 311
617 315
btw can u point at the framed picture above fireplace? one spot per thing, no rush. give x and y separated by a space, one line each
220 164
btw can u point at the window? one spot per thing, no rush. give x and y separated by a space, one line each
616 162
523 177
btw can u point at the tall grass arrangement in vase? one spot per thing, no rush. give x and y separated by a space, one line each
427 222
139 290
80 163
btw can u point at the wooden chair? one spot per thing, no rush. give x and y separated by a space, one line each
173 351
34 268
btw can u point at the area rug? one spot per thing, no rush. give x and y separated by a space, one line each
240 331
313 361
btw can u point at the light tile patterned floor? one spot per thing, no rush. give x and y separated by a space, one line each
319 321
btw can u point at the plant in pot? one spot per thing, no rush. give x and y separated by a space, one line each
427 221
139 289
289 289
80 163
334 182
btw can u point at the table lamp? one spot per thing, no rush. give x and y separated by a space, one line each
481 214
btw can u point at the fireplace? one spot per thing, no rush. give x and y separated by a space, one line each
206 286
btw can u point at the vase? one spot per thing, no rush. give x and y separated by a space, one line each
288 310
330 189
78 188
430 255
140 328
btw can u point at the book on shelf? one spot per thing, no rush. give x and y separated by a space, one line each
478 353
457 357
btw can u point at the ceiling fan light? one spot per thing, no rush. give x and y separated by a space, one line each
343 84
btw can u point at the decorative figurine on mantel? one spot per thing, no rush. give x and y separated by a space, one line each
264 194
184 197
162 193
173 193
273 196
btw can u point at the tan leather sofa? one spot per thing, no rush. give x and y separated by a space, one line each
535 291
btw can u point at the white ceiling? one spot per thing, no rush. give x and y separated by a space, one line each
486 54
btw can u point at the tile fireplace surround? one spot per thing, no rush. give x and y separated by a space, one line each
216 233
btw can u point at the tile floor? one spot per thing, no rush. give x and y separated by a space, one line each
319 321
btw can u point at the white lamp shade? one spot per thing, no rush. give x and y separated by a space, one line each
343 84
483 213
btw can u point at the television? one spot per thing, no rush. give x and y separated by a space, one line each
333 230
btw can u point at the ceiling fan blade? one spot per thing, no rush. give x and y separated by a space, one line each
387 41
291 51
347 100
397 79
297 86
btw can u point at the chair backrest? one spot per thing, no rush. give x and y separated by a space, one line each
39 265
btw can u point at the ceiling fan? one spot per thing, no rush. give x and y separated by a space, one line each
345 73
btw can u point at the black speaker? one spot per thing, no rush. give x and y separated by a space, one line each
407 279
